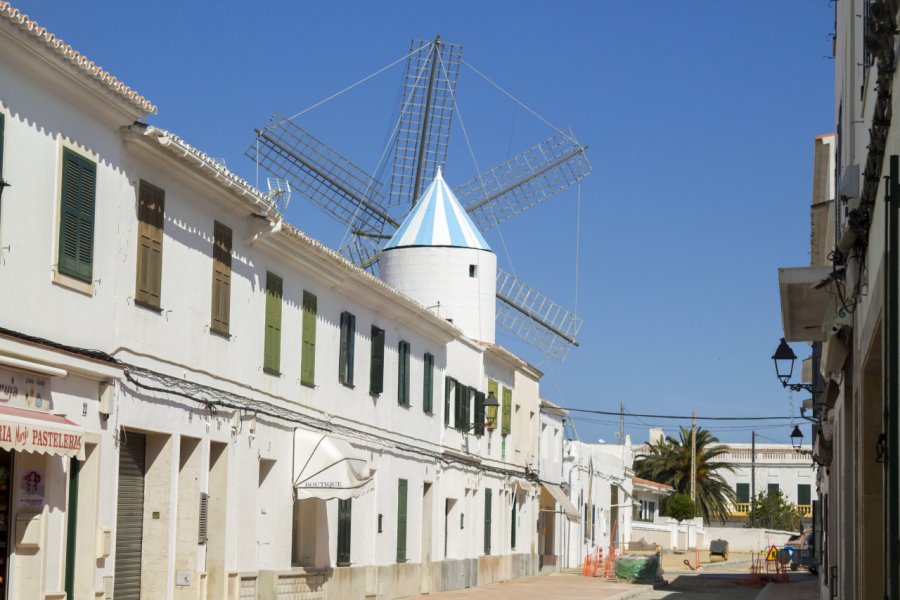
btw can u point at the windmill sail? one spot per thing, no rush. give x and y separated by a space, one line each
534 318
323 176
524 180
423 134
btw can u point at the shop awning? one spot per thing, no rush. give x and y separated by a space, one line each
564 503
326 467
26 430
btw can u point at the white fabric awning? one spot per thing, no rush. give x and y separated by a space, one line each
564 503
326 467
26 430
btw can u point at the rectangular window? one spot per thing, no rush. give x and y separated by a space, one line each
448 393
76 218
272 351
221 285
479 412
308 345
487 521
345 360
804 494
462 407
743 492
403 374
402 486
376 366
492 412
506 425
343 533
151 209
773 487
428 384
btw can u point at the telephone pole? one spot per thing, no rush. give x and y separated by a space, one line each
693 456
753 480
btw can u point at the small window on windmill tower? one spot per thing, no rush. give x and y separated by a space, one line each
473 270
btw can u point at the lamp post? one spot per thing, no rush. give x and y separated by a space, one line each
784 359
489 402
796 437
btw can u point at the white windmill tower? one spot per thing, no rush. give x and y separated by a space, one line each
438 257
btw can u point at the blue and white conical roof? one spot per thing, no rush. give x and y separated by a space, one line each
438 219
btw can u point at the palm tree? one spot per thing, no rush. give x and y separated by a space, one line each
669 462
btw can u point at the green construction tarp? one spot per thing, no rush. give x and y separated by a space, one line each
641 567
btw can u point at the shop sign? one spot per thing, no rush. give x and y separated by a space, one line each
24 390
26 437
31 489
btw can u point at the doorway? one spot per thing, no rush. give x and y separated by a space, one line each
5 492
426 537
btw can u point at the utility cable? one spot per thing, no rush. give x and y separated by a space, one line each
652 416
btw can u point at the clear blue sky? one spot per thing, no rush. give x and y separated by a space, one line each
700 117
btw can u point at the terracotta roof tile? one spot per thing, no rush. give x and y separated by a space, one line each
653 484
75 58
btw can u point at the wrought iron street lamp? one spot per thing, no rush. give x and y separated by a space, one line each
784 359
489 402
796 437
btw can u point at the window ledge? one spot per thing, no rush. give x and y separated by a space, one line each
147 306
271 372
67 281
348 385
309 384
221 334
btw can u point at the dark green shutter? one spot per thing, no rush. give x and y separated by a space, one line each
772 489
506 426
272 354
492 412
72 526
76 220
743 492
401 520
308 345
428 384
2 135
487 521
343 535
403 374
345 360
803 494
462 393
376 368
448 386
515 523
479 413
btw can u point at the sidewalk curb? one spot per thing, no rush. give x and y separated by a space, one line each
636 593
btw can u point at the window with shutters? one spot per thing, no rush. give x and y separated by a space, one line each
220 313
491 414
487 521
343 533
151 211
76 218
743 492
479 412
376 363
449 386
773 489
461 410
506 425
308 345
804 494
272 349
428 384
345 359
403 373
402 488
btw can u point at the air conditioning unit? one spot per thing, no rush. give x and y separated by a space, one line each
107 397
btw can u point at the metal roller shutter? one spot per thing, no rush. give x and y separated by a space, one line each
130 518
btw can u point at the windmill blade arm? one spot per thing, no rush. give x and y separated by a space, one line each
534 318
321 174
524 181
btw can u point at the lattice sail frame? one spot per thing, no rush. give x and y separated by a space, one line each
525 180
534 318
423 136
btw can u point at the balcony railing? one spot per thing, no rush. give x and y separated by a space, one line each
742 509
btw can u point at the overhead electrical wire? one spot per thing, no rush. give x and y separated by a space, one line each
677 417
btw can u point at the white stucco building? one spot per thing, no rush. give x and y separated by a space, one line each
227 407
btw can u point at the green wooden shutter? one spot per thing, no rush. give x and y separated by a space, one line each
345 360
151 210
403 374
76 220
2 135
803 494
272 354
308 345
506 426
401 520
428 384
221 289
514 524
487 521
743 492
343 536
479 413
376 366
448 388
460 406
492 412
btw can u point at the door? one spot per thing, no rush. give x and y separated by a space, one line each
130 517
5 487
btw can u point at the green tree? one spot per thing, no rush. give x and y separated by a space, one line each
669 462
681 508
774 512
